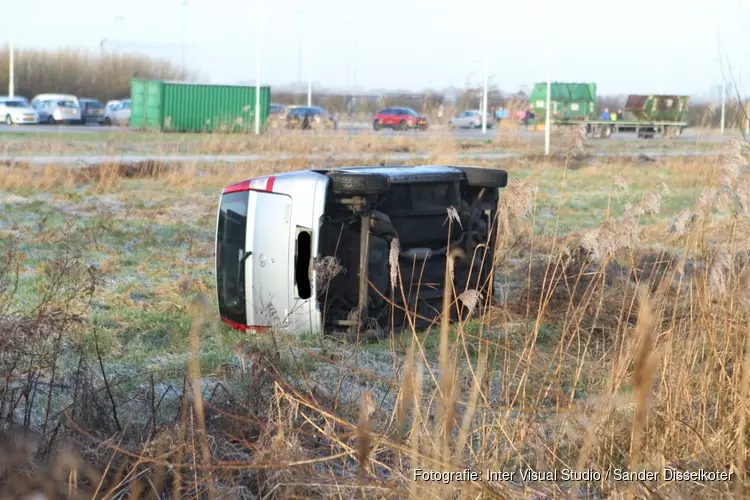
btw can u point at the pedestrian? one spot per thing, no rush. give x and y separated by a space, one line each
620 114
440 114
605 114
528 117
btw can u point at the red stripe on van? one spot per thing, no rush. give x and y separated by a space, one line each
269 183
238 186
244 328
236 326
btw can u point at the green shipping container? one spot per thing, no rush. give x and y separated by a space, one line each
191 107
568 101
669 108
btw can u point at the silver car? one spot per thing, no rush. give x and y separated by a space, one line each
57 108
117 112
469 119
16 111
307 252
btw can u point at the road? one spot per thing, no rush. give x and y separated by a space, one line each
689 135
73 161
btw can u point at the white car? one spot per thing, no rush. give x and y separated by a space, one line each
117 112
14 98
16 111
309 252
469 119
57 108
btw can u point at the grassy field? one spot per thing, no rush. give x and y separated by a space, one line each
117 141
617 342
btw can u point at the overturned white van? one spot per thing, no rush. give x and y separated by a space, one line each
308 251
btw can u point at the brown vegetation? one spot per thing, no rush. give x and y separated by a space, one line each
617 353
67 71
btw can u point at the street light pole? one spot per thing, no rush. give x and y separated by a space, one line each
548 112
723 104
309 70
258 25
118 31
300 27
184 9
484 97
11 68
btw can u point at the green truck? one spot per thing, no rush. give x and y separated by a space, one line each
575 103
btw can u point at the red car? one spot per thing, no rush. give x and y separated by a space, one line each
399 118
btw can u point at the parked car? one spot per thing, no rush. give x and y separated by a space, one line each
311 117
470 119
289 253
16 111
91 110
57 108
277 109
117 112
399 118
276 115
14 98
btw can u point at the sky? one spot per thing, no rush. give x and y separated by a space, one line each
639 46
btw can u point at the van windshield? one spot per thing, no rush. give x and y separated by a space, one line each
230 256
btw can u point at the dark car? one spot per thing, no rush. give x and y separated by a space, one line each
91 110
310 117
399 118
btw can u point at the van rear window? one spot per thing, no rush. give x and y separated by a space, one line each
230 256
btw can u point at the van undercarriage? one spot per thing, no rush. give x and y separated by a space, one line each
393 246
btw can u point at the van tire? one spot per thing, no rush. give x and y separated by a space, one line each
485 177
358 184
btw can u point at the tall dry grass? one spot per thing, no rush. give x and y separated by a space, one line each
616 355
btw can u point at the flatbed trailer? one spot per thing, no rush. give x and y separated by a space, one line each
603 129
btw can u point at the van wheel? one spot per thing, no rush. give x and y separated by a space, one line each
107 122
376 125
485 177
403 125
9 120
362 184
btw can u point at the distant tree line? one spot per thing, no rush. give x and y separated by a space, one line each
107 75
103 76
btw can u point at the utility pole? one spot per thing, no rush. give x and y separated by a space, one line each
11 68
258 25
548 112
